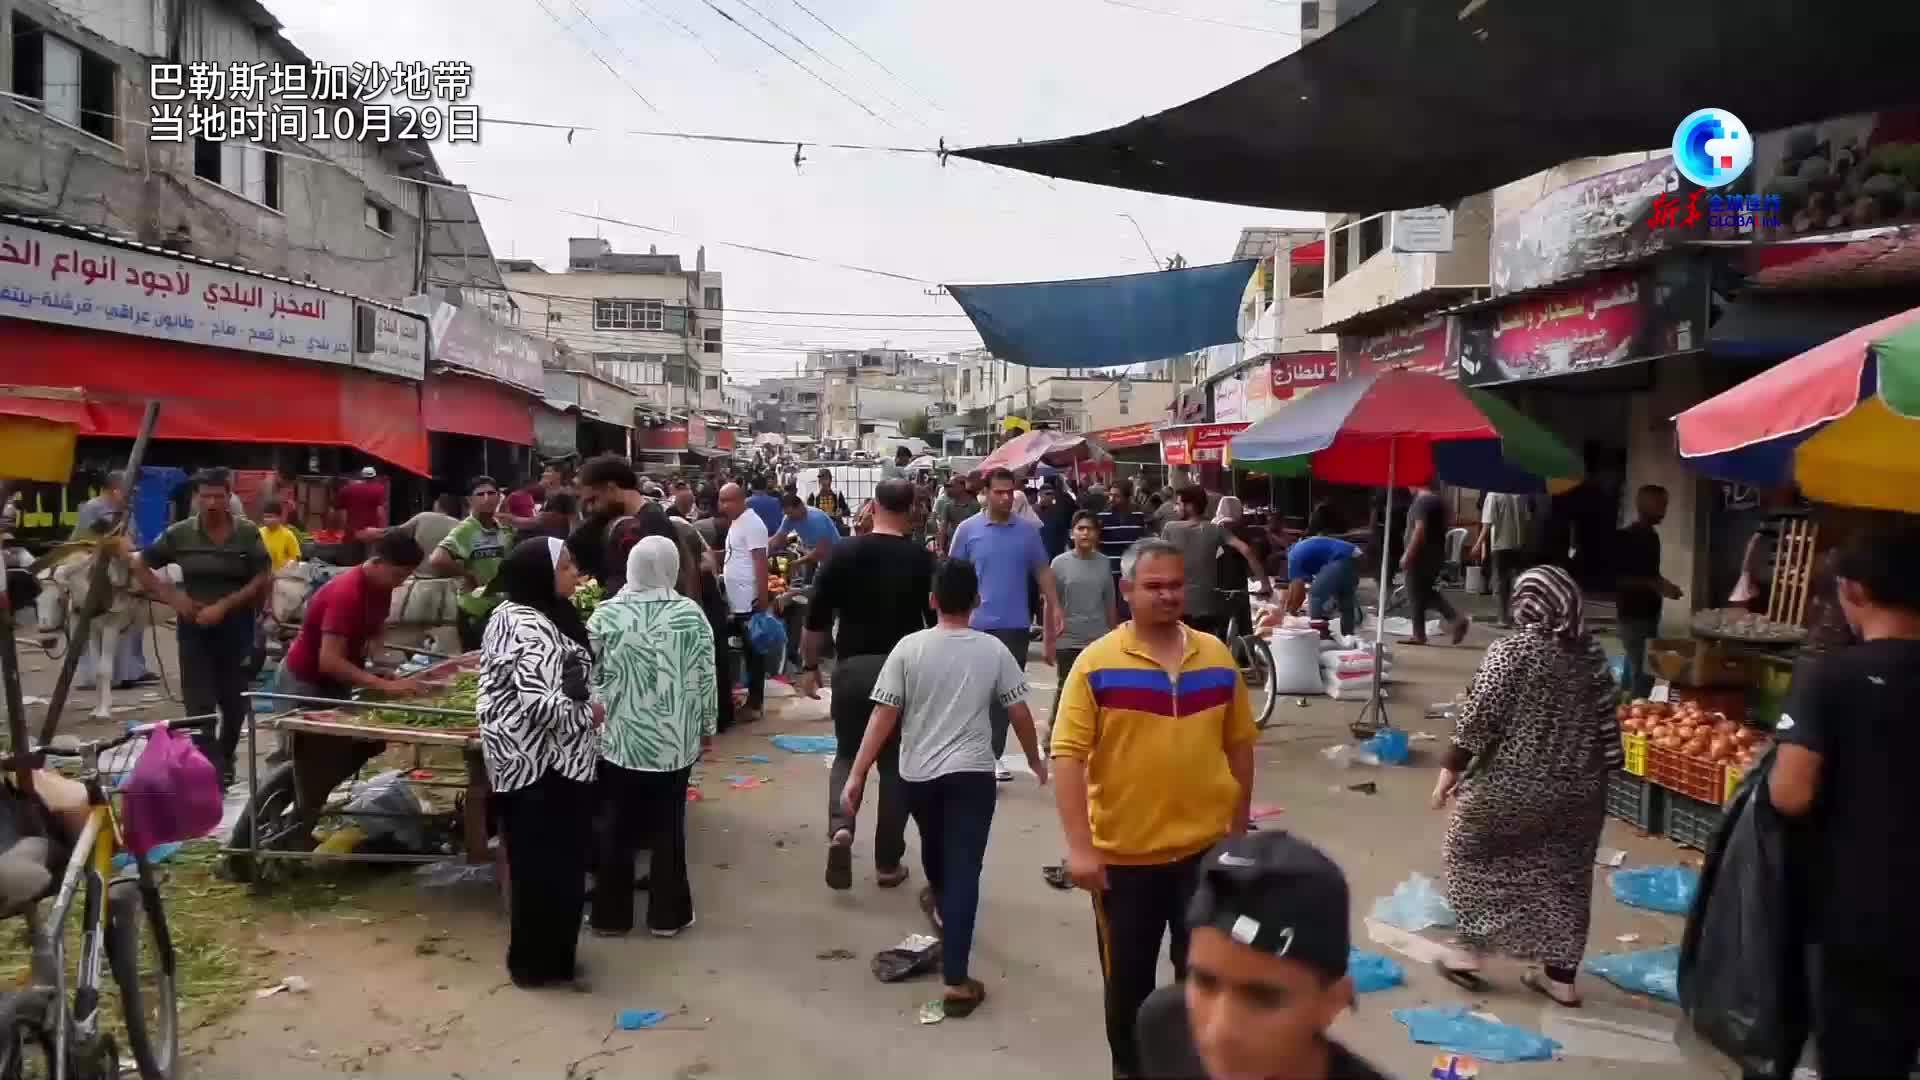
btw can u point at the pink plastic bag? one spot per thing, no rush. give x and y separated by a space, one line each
173 794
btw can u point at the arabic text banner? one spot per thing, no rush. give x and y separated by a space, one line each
51 278
1604 321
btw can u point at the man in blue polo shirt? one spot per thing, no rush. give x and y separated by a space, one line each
1005 551
1325 572
814 527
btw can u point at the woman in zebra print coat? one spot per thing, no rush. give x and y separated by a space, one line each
537 732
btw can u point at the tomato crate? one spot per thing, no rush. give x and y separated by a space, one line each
1694 777
1734 773
1635 801
1634 750
1691 822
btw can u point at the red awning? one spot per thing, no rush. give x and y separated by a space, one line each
217 395
463 405
1308 254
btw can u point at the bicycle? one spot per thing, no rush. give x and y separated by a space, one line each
1255 659
43 1033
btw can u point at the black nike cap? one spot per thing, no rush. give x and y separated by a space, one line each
1274 892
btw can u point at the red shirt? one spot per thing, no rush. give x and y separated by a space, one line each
364 502
349 606
525 502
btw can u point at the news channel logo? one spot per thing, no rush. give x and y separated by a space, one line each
1711 147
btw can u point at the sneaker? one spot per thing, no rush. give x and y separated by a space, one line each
1002 773
840 860
676 932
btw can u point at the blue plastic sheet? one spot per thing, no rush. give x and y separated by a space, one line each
1372 971
639 1019
1454 1028
1390 746
1654 972
1098 322
1415 904
807 744
1657 888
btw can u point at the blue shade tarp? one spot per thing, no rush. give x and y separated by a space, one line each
1105 322
1421 102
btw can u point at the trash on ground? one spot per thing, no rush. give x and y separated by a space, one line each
454 874
639 1019
1657 888
150 697
1387 747
1614 1033
1422 736
160 853
1415 904
753 759
31 699
834 954
693 794
1372 971
919 954
806 744
1654 972
1607 856
1344 756
741 782
1412 946
1263 811
1454 1067
1455 1028
1368 788
1627 939
933 1012
292 984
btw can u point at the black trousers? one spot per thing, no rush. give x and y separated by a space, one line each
753 664
545 826
1140 905
1866 1015
213 676
1020 644
1423 594
853 679
955 814
644 809
1063 661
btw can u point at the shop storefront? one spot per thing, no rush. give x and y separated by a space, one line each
603 412
479 398
1135 449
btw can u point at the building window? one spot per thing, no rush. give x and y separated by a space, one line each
629 315
1373 236
380 217
713 382
245 169
808 397
1342 248
63 80
712 300
966 381
712 339
1123 408
553 317
640 369
1309 14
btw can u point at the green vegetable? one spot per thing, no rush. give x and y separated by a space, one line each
587 596
462 695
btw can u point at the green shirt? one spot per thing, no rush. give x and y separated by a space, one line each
655 673
210 571
481 550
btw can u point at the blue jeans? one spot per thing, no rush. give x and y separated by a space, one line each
1634 635
1336 588
954 813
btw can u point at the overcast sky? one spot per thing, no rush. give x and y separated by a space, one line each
974 71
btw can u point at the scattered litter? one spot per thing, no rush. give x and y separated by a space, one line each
1454 1028
1658 888
1454 1067
834 954
747 783
919 954
1422 736
1615 1033
1654 972
1344 756
1627 939
639 1019
150 697
31 699
292 984
1415 904
1607 856
693 794
159 854
1412 946
1300 702
933 1012
1372 971
1263 811
1368 788
1387 747
420 774
454 874
807 744
753 759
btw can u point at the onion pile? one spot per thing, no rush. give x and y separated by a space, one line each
1686 728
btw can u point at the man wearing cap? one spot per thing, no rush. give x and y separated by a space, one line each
828 501
1266 971
1153 757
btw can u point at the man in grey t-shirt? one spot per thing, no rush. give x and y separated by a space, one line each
1200 541
1087 596
936 687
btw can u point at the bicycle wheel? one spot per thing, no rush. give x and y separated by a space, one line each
271 818
26 1046
1256 666
140 952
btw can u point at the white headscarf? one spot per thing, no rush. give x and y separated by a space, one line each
555 548
1228 511
1023 511
653 567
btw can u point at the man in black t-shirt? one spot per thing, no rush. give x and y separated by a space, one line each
1846 737
1121 523
1641 588
876 585
1266 971
1425 555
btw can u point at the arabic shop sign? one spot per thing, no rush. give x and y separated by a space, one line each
1230 399
50 278
1605 221
1607 321
1173 447
1120 438
1295 372
390 342
466 338
1419 347
1209 442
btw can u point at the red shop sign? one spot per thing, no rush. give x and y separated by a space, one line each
1174 448
1210 442
1420 347
1119 438
1302 371
670 437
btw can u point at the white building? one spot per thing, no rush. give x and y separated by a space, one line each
645 319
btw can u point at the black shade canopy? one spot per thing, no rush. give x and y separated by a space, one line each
1414 103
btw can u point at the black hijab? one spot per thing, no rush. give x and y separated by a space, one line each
526 577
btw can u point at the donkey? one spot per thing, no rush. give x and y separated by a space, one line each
63 596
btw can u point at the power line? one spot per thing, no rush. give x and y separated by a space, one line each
870 57
817 77
764 17
634 90
748 140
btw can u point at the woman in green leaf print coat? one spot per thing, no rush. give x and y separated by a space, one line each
656 675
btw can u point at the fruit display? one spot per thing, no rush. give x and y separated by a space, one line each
1693 732
1745 625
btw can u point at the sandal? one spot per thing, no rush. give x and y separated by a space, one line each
892 879
1467 979
930 906
1540 984
1056 876
962 1007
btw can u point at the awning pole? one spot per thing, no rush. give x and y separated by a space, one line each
1373 715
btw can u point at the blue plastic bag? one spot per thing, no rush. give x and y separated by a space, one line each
1373 971
1414 905
1617 667
1454 1028
1657 888
1654 972
1389 746
807 744
766 634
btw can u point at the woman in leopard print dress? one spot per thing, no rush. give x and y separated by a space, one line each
1527 775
